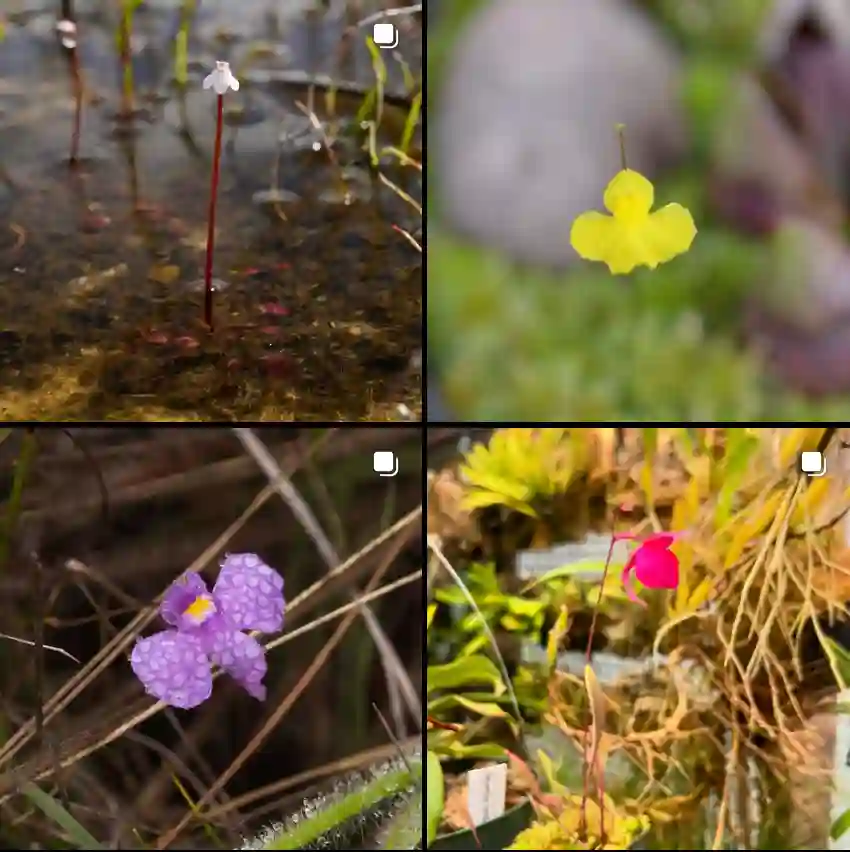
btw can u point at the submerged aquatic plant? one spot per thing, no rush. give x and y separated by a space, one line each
219 80
632 236
181 42
174 665
125 33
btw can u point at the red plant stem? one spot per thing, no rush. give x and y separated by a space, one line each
445 725
66 14
126 67
74 157
211 215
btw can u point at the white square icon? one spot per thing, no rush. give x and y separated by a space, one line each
812 463
385 35
385 463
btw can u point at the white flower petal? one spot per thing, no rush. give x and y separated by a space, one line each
221 79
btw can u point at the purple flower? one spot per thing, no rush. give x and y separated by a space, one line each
174 665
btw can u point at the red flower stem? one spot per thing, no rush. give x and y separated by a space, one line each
67 14
444 725
127 107
211 215
74 157
614 539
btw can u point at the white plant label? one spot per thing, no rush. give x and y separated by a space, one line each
486 789
593 550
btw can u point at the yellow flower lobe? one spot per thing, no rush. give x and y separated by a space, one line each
200 609
632 236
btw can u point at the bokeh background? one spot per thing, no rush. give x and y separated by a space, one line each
737 109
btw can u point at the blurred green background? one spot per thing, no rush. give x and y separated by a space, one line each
510 341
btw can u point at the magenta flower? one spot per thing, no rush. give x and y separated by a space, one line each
654 564
174 665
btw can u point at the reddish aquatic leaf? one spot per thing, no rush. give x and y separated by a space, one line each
156 337
274 309
187 342
277 365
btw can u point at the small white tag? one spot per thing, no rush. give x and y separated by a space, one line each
486 790
593 550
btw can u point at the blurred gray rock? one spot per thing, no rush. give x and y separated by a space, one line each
753 145
808 283
800 319
833 16
812 364
524 137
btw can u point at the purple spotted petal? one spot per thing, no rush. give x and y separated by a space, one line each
173 667
249 593
179 595
239 654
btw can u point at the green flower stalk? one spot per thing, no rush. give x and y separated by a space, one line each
385 801
125 31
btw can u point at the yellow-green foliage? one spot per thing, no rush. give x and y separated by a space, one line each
564 832
521 467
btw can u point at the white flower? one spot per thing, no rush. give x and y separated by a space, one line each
67 33
221 79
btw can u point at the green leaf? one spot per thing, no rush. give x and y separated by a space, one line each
483 751
649 438
488 481
431 612
571 570
487 709
55 810
474 645
839 659
437 707
339 808
522 607
485 499
435 796
840 826
740 448
451 595
465 672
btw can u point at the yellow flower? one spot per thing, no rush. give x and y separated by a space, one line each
632 236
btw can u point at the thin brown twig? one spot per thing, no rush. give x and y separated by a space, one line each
397 677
